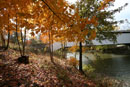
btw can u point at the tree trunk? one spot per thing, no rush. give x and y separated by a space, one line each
80 57
61 50
64 52
50 50
24 44
17 37
8 35
22 41
2 39
8 41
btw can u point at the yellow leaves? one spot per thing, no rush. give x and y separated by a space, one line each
93 35
38 15
44 38
47 37
45 15
85 32
32 33
107 1
72 6
73 61
37 31
93 21
84 49
104 4
60 39
83 26
74 48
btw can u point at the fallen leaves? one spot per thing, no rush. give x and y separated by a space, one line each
46 75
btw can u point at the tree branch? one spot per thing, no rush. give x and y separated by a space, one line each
52 11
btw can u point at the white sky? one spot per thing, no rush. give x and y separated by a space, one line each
124 14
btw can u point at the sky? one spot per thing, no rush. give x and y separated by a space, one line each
124 14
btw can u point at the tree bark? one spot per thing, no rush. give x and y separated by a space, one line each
50 50
80 57
8 35
22 41
24 44
17 37
8 41
64 52
2 39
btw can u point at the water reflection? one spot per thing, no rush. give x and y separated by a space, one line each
113 65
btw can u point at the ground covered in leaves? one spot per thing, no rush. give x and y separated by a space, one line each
40 72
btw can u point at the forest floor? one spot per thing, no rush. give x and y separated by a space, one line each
40 72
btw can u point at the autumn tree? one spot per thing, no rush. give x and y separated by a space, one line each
54 18
18 14
5 23
34 15
24 22
98 10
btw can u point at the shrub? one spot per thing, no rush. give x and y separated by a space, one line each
73 61
88 68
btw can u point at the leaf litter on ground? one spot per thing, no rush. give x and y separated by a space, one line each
39 73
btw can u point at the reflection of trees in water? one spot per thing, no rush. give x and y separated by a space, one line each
115 67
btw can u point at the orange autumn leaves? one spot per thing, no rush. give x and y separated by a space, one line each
104 4
72 27
73 61
75 48
53 16
93 35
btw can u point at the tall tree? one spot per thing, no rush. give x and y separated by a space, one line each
98 10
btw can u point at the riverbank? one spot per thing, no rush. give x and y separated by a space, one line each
106 81
41 72
111 69
124 50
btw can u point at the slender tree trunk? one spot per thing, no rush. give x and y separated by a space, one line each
17 37
64 54
24 44
8 35
52 50
80 57
22 40
2 39
61 50
51 56
23 59
8 41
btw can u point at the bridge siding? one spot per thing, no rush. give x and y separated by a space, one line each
123 38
